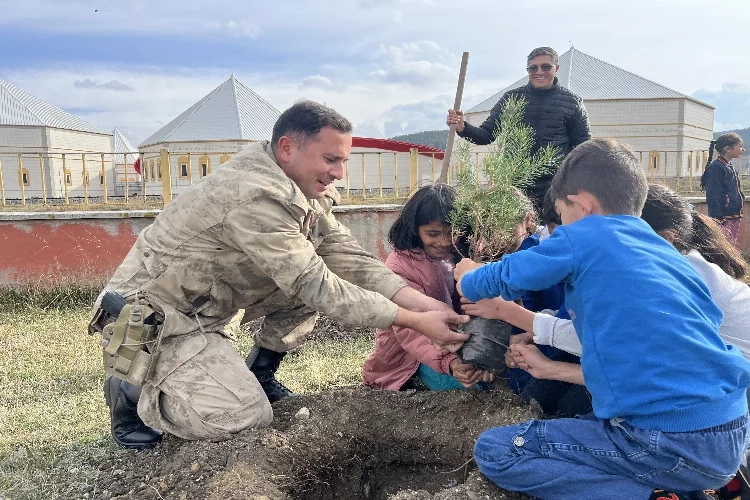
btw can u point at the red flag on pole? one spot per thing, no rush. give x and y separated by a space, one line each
137 166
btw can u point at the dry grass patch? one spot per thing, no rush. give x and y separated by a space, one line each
53 420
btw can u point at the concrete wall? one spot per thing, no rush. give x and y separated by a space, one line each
87 247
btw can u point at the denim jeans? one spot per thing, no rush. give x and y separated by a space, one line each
591 458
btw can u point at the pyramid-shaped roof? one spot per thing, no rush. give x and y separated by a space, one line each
123 145
18 107
592 79
230 112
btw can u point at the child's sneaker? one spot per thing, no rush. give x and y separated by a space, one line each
670 495
736 489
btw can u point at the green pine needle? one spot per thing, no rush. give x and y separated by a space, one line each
490 202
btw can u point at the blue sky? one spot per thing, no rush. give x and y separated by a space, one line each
388 65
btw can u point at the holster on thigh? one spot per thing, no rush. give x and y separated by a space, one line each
130 330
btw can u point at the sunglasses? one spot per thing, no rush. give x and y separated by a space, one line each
546 68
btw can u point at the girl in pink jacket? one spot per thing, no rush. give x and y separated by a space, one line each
424 257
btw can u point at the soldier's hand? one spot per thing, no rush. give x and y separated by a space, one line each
411 299
438 326
457 118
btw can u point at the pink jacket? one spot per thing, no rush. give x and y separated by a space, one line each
399 351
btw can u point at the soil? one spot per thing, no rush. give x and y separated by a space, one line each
356 444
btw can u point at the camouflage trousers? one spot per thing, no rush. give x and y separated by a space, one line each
286 322
201 387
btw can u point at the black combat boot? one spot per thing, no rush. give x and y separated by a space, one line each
128 430
264 363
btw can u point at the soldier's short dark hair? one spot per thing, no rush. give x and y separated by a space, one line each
543 51
304 120
609 170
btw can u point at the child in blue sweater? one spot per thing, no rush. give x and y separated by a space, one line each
670 409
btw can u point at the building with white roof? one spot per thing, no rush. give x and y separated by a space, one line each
207 134
623 105
53 146
125 157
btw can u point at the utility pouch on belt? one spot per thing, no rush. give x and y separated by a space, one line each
130 340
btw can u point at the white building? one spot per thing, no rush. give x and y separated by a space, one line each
125 157
620 104
54 147
207 134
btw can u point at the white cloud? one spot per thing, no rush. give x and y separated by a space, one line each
407 118
243 29
110 85
732 104
419 63
318 81
375 61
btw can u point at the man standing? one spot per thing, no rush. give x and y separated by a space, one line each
256 238
556 115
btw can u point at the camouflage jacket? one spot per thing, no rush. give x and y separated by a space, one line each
243 233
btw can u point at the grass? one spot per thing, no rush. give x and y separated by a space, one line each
54 425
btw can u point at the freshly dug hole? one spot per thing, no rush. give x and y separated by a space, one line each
357 444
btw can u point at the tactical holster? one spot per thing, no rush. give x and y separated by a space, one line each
129 339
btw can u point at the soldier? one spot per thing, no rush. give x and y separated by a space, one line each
256 238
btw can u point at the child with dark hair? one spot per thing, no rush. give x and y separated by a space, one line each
424 256
549 216
720 180
702 242
670 409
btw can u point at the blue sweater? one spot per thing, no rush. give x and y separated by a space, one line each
651 352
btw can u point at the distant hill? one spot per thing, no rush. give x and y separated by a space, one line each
432 138
744 133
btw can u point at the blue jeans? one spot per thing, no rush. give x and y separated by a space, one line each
591 458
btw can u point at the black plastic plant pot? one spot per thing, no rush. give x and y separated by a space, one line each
487 345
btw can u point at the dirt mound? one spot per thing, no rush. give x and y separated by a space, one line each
354 444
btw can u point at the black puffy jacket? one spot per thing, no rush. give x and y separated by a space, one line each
557 116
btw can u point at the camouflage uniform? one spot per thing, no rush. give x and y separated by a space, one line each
242 243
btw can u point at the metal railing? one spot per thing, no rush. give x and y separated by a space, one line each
109 180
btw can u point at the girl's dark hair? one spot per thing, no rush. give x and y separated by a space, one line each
666 211
429 203
723 142
549 213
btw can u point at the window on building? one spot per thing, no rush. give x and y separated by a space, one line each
86 178
68 177
158 169
223 159
151 168
101 177
25 177
654 160
184 168
205 165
